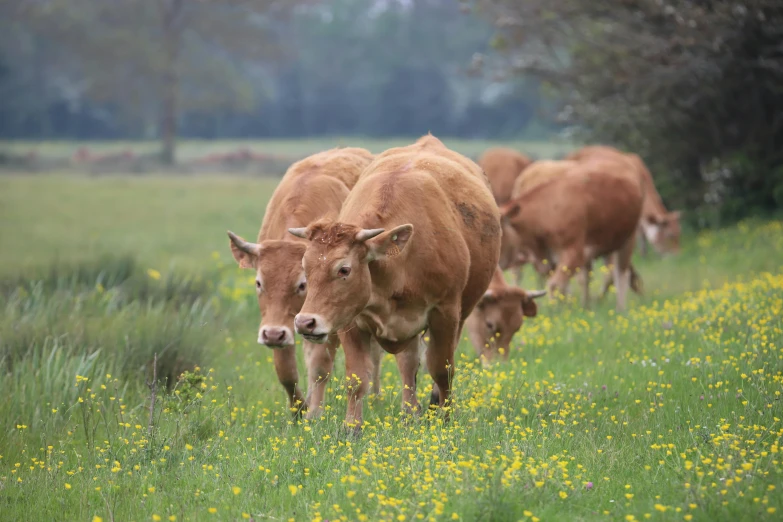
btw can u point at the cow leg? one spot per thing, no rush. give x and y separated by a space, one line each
564 271
608 278
288 375
622 273
358 370
636 281
478 342
320 363
408 366
642 242
584 276
517 274
622 279
376 354
445 327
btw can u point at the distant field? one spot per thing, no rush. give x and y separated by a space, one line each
165 222
668 412
189 149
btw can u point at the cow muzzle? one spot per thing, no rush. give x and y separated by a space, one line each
311 327
275 336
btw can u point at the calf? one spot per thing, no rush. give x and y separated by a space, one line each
312 189
413 249
589 209
498 316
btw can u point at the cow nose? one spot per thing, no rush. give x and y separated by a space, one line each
272 335
305 323
275 336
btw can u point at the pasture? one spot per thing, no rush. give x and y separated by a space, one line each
290 148
669 412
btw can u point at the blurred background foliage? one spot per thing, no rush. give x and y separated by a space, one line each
694 87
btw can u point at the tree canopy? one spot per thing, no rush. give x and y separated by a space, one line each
696 87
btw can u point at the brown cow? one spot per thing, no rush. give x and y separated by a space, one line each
537 172
413 249
498 316
312 189
590 209
657 226
503 165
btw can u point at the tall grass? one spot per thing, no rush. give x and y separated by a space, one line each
94 319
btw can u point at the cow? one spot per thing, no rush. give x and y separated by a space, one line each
578 212
502 166
537 172
498 316
311 189
413 249
657 226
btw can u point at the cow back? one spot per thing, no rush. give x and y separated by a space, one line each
312 188
503 167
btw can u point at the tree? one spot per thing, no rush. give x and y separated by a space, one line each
160 57
696 86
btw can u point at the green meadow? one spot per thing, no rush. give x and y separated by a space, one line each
671 411
291 148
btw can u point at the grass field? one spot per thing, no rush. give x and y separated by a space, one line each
669 412
293 148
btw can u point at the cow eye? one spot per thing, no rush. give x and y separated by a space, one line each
301 287
258 284
344 271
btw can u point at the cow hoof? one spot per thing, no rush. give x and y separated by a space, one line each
410 413
434 398
352 432
312 415
298 412
355 433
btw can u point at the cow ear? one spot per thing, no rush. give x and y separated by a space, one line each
509 210
488 297
529 307
245 253
390 243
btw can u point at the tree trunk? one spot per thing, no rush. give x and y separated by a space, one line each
169 117
170 85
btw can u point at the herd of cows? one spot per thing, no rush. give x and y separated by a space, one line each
380 252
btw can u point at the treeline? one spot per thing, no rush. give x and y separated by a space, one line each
695 87
92 69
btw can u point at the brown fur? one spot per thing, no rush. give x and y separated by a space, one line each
497 317
657 225
427 270
586 210
511 257
535 174
311 189
503 166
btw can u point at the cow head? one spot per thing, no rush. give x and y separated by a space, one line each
497 317
336 264
663 231
280 285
